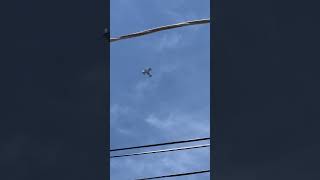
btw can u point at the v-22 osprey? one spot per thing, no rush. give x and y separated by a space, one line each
147 71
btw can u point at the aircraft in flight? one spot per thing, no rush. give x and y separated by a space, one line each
147 71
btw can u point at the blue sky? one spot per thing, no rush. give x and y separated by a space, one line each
174 103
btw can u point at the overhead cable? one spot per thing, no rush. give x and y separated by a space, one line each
161 28
161 144
175 175
161 151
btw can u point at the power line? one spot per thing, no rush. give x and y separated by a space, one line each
161 144
161 151
161 28
174 175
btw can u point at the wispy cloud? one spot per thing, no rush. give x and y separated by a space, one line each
169 40
118 118
134 13
181 123
145 86
117 110
179 17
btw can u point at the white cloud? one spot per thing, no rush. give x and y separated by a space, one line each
118 114
182 123
179 17
169 41
144 87
169 68
117 110
125 13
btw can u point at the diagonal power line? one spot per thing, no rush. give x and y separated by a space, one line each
157 29
161 151
161 144
175 175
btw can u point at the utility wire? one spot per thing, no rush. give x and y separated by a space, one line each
157 29
161 151
161 144
174 175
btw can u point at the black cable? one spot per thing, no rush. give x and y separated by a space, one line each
167 27
174 175
161 144
161 151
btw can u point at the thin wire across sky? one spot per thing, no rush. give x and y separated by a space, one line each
162 151
176 175
157 29
162 144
